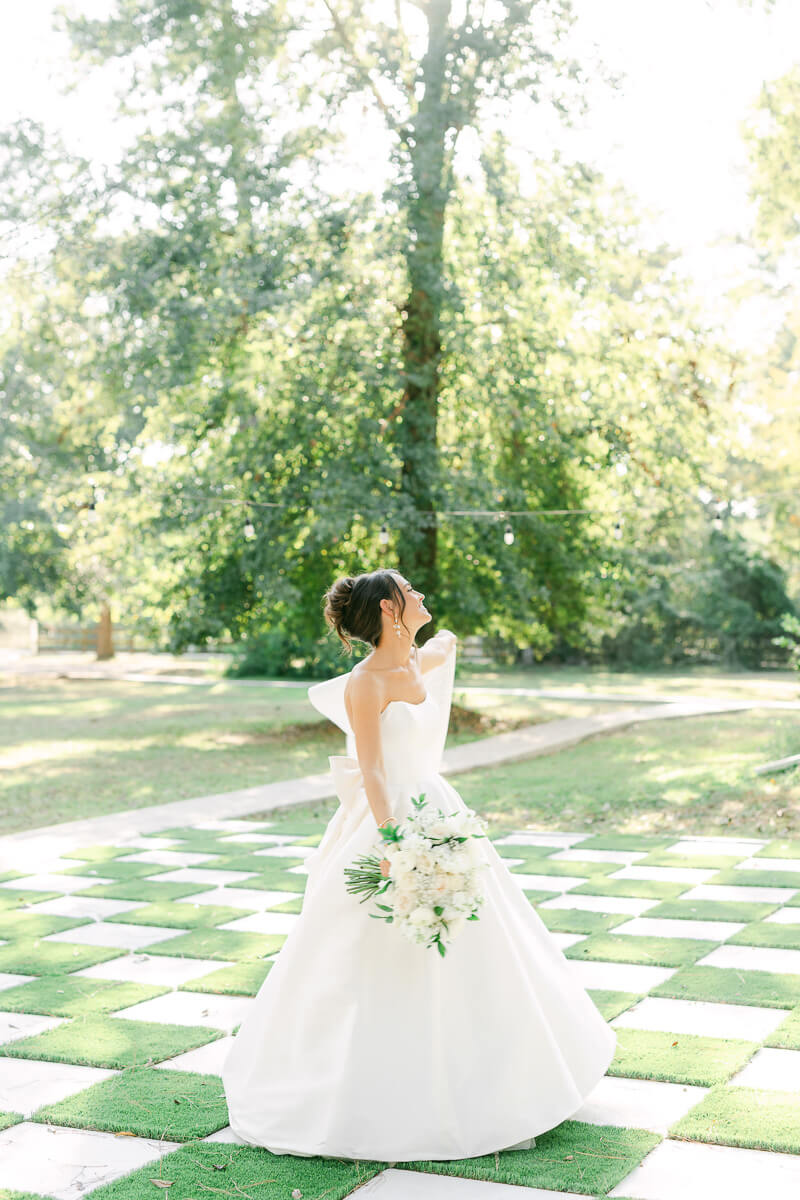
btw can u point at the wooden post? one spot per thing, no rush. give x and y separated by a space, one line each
105 645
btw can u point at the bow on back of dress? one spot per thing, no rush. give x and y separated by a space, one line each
327 697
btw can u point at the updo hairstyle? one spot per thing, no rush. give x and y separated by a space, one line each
352 606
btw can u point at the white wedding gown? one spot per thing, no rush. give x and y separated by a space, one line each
360 1044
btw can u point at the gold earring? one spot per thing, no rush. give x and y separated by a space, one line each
397 626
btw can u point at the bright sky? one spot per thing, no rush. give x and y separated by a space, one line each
693 71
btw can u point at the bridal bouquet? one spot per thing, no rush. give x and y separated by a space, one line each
433 884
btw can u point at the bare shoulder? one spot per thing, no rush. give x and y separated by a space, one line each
363 694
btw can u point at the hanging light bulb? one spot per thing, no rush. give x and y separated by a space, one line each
249 528
508 534
383 536
618 529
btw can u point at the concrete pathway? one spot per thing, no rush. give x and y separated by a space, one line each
527 742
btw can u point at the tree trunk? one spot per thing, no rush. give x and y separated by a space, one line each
105 644
422 317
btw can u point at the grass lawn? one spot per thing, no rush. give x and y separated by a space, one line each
72 748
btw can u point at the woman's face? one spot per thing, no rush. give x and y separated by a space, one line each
416 614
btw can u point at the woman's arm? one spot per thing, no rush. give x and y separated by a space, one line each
436 649
365 694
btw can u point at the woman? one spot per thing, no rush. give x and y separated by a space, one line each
361 1044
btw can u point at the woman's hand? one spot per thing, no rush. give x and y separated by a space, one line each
385 866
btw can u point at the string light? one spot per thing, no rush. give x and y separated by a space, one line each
383 536
249 530
508 535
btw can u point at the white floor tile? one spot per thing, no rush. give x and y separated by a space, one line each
263 922
113 933
169 858
626 857
701 1017
27 1084
206 1060
753 958
546 883
716 931
67 1163
159 969
202 875
224 1135
83 906
150 843
736 891
8 979
242 898
777 1070
190 1008
785 916
285 852
54 883
638 1103
716 846
769 864
272 839
687 875
633 905
697 1171
618 977
14 1025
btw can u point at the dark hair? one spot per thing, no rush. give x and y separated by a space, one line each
353 609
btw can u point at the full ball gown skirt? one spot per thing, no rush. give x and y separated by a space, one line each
360 1044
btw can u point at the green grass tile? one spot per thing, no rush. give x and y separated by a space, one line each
579 920
295 905
24 924
224 944
5 1194
96 853
243 979
766 878
727 985
180 916
780 848
5 875
713 910
573 1157
527 853
73 995
111 1042
763 933
177 1106
611 1003
647 951
227 1170
707 862
626 841
114 869
33 957
743 1116
640 889
678 1057
261 864
273 881
534 895
13 899
7 1119
147 890
787 1034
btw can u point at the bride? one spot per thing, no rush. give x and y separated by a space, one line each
361 1044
